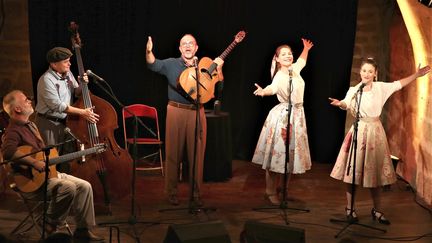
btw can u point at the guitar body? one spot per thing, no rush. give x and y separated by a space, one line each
207 75
28 179
207 81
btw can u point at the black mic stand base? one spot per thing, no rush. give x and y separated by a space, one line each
350 222
282 206
193 208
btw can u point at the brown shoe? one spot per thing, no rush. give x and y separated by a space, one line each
272 198
49 228
86 235
173 200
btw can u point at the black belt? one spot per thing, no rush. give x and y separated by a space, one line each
52 118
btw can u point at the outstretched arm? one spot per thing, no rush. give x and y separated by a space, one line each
307 45
150 58
420 72
262 92
338 103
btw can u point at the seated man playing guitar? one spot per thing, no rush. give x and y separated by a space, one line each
65 192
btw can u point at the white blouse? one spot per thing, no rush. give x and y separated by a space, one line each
372 101
280 83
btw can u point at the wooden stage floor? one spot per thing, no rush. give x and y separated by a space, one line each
235 199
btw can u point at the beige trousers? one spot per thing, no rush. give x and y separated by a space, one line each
180 137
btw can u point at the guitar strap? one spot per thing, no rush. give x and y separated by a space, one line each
181 92
179 89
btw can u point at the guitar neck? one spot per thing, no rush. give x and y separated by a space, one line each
222 56
228 50
74 155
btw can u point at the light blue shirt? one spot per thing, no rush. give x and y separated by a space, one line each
55 93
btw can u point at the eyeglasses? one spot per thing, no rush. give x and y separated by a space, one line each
189 43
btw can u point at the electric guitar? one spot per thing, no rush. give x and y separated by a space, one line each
28 179
207 74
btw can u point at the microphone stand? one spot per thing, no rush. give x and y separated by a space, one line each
45 203
350 219
284 203
193 207
132 219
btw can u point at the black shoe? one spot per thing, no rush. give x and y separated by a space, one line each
377 215
173 200
351 217
86 235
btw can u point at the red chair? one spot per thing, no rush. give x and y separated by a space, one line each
148 115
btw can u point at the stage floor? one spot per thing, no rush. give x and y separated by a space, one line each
235 199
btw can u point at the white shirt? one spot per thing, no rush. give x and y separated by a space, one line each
280 83
372 101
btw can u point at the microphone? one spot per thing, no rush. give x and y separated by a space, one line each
362 85
195 61
92 74
290 70
68 131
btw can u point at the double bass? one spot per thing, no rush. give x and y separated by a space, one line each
109 172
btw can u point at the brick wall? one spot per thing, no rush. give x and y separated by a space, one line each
15 71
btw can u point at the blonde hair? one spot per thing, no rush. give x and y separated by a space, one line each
9 101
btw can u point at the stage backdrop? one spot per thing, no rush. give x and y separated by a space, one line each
114 35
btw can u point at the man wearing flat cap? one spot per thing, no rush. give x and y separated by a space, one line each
56 90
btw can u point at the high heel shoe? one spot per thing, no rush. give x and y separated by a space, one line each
351 217
377 215
272 198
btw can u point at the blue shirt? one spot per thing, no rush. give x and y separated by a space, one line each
55 93
171 68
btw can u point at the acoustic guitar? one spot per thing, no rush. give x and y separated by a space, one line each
207 74
27 179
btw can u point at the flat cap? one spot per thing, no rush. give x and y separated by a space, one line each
58 54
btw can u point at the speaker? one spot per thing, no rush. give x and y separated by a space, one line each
209 232
257 232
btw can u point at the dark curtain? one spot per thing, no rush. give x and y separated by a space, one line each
114 35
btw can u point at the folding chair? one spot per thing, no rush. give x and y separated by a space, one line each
34 215
149 116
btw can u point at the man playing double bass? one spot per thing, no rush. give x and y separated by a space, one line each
56 90
64 191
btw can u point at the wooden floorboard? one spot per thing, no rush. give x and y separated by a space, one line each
234 201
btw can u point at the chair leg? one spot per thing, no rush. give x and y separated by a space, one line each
19 229
161 161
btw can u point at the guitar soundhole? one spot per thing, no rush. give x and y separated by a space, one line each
191 92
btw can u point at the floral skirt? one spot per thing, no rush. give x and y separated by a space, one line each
270 149
373 165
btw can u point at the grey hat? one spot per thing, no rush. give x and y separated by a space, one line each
58 54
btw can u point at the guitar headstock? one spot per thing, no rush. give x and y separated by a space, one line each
75 38
239 37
